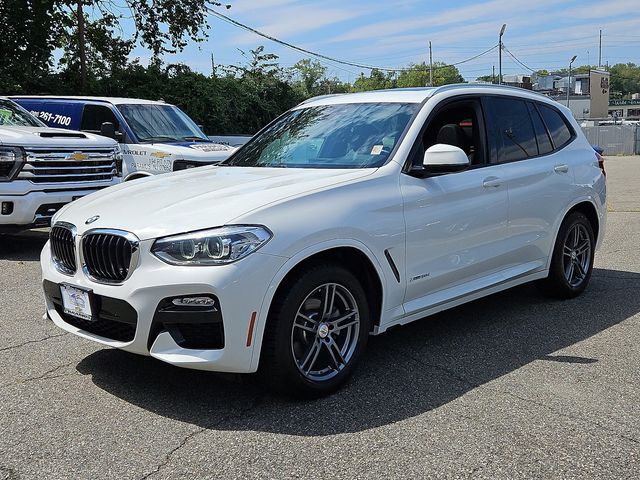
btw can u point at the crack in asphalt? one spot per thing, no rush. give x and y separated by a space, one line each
167 459
469 383
44 376
28 342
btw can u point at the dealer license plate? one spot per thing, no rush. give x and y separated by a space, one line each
76 302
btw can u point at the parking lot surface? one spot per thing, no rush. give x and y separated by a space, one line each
511 386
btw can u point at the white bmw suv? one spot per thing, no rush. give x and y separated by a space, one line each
346 216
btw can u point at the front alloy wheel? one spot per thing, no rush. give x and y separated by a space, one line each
317 330
325 332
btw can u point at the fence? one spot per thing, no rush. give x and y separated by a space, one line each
615 139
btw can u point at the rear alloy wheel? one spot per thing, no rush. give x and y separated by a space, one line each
572 260
316 332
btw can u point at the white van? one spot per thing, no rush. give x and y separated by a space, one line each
42 168
155 137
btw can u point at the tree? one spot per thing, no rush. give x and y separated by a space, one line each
162 26
310 73
417 75
376 80
625 79
28 40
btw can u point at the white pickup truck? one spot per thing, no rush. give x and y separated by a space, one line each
42 168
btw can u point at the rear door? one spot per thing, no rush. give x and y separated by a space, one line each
538 179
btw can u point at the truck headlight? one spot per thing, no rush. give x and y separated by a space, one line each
217 246
117 153
11 161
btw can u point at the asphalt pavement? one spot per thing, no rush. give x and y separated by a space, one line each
511 386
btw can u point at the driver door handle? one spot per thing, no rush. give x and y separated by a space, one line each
491 182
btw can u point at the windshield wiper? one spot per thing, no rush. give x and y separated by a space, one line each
159 138
196 139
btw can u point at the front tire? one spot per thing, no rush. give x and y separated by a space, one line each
316 332
572 259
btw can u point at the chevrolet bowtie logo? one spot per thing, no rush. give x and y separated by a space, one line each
160 154
78 156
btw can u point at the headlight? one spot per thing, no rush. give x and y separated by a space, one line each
217 246
11 161
117 153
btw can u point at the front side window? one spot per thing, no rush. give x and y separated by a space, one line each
358 135
514 134
558 128
13 115
93 116
161 124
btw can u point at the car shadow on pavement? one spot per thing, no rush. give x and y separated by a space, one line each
25 246
406 372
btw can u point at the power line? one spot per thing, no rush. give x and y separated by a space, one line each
519 62
331 59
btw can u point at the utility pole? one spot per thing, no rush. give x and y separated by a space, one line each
213 67
430 65
569 79
600 51
493 74
504 26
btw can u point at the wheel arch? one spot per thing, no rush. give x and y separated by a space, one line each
136 176
352 254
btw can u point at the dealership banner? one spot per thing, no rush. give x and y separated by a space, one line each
599 87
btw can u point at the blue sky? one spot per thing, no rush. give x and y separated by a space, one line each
541 33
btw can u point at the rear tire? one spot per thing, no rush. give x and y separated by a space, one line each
316 332
572 259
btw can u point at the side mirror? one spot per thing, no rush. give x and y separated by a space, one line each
440 159
108 129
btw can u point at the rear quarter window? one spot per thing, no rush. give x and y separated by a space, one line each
557 126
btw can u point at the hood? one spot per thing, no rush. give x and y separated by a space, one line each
197 199
51 137
203 151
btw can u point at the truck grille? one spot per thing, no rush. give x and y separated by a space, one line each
109 256
60 166
63 248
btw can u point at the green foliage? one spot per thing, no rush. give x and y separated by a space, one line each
625 79
417 75
375 81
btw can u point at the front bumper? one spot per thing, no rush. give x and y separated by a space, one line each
239 288
35 208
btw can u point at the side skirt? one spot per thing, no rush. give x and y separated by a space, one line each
461 300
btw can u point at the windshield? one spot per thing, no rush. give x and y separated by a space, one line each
161 123
355 135
14 115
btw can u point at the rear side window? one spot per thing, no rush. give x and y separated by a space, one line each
542 136
514 133
557 126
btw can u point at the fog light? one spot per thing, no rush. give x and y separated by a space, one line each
7 208
194 302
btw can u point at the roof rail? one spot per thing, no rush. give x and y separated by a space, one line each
454 86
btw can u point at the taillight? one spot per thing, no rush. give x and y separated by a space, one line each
600 159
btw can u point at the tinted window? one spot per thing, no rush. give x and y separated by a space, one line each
161 123
353 135
515 137
557 126
542 137
93 116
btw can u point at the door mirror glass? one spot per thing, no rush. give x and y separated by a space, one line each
441 158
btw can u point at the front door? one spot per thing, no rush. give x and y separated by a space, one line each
456 222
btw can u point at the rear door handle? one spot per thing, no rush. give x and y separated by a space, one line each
491 182
561 168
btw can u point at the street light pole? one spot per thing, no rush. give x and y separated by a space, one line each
504 26
569 79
